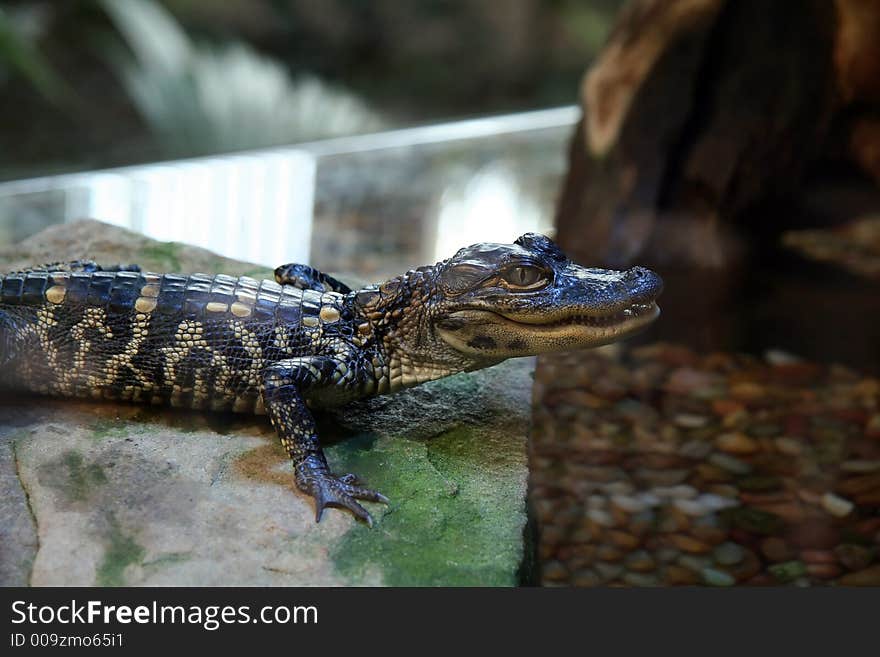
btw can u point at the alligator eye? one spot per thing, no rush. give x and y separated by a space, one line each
525 277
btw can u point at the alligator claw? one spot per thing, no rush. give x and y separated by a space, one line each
329 490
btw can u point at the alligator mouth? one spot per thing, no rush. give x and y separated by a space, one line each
634 313
488 333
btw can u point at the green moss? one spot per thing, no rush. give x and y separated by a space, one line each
122 551
456 515
81 478
107 428
166 255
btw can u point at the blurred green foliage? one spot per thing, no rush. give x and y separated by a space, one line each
95 83
19 54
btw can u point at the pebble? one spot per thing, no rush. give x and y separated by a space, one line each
689 507
736 443
748 391
609 553
852 556
582 535
640 579
628 503
860 467
823 570
554 571
837 506
608 571
728 554
781 357
727 406
600 517
818 556
688 421
694 563
640 561
650 499
597 501
814 534
695 449
707 534
675 575
623 540
867 577
665 477
586 577
677 492
689 544
788 571
715 502
776 550
788 446
667 554
715 577
730 463
618 488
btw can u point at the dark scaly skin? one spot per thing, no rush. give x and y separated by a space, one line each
235 344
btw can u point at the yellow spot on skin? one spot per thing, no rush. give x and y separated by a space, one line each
150 291
145 304
329 314
240 310
56 293
216 307
310 321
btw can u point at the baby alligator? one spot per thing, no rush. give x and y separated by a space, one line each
236 344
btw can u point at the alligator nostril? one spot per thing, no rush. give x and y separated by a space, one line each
643 283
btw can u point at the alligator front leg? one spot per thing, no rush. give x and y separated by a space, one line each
308 278
284 385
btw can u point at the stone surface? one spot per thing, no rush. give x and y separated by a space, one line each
109 494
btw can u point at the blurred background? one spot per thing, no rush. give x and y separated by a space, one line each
100 83
732 145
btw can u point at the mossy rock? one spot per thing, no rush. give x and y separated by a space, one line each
111 494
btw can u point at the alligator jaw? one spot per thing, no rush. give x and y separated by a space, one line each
492 335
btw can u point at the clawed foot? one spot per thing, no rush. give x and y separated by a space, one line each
342 492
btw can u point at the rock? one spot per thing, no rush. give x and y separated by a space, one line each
854 557
623 540
554 571
131 495
640 579
18 531
788 446
608 571
823 570
628 503
675 575
689 544
715 577
818 556
753 520
640 561
788 571
736 443
837 506
867 577
776 550
729 463
728 554
814 534
587 577
689 421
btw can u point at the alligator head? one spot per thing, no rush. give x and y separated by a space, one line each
490 302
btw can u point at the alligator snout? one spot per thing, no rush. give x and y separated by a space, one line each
643 284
